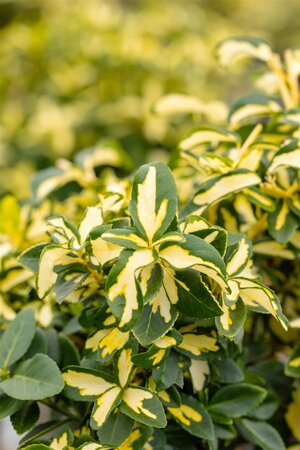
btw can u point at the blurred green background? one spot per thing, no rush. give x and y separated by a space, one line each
74 71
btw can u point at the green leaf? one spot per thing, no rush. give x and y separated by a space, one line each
143 406
261 434
8 405
237 400
40 430
69 353
194 297
25 417
193 417
116 429
153 204
17 338
34 379
228 370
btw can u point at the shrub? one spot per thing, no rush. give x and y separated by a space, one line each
151 311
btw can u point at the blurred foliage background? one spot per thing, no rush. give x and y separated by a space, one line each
75 71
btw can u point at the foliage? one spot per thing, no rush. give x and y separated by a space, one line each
160 310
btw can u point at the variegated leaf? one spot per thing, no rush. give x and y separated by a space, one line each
51 256
232 320
251 107
240 47
289 155
260 199
193 417
157 317
104 406
239 255
123 366
199 255
86 384
125 238
123 292
218 188
282 223
259 297
194 345
143 406
194 297
208 134
153 205
137 439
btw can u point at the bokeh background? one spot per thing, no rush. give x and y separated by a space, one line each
74 71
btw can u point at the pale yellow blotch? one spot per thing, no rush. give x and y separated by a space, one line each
145 276
295 362
164 396
125 283
114 340
59 443
129 442
110 320
134 398
230 221
146 205
105 251
92 446
170 285
104 405
6 311
251 159
253 110
197 344
239 258
182 259
162 304
87 383
165 342
185 414
244 208
211 236
281 218
124 366
92 343
235 290
157 357
225 186
93 218
198 370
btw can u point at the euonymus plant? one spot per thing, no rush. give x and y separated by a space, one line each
160 309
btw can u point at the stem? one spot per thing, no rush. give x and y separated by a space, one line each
276 66
59 410
292 76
